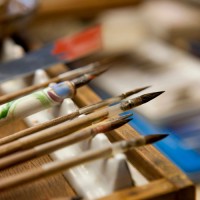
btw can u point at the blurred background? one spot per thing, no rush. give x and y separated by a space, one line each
160 43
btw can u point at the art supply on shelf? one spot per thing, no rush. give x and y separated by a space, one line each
115 173
106 178
69 127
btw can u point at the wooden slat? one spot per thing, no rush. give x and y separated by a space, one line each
150 191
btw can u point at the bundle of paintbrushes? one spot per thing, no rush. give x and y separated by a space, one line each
19 142
74 128
59 166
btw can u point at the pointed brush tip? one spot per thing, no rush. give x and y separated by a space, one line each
154 138
157 93
147 87
128 120
122 122
93 75
143 88
160 92
134 91
84 79
116 123
126 116
150 96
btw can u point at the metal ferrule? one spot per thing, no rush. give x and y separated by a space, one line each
129 104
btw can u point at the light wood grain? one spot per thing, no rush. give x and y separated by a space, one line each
150 191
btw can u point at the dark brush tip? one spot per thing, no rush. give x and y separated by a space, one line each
99 71
76 198
154 138
116 123
129 93
148 97
83 80
128 120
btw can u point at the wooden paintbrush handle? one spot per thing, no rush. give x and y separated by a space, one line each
39 127
53 168
52 133
25 91
17 158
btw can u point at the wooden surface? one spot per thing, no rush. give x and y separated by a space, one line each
145 192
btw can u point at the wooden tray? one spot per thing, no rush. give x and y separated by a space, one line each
166 182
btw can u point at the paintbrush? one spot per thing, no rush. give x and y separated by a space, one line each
43 99
69 75
59 166
113 99
84 110
66 128
77 136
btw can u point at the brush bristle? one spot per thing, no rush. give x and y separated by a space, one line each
148 97
154 138
121 120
